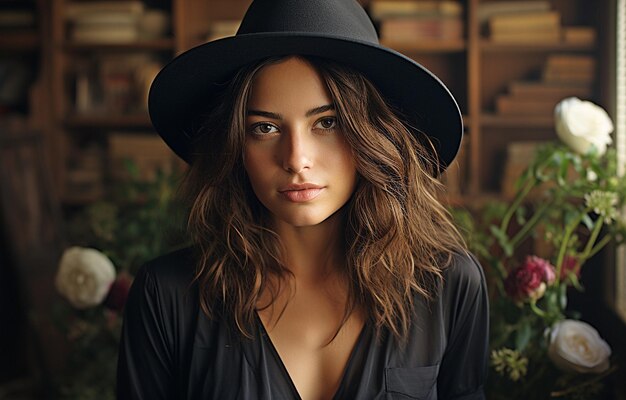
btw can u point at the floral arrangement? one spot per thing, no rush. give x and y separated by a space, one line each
533 248
113 238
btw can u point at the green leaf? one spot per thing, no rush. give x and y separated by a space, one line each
522 336
551 299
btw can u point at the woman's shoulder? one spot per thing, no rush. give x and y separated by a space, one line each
465 294
173 271
463 270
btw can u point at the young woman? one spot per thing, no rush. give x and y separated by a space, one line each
323 264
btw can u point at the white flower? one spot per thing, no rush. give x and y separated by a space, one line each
592 176
576 346
582 124
84 276
603 203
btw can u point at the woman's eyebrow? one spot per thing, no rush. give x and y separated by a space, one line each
313 111
266 114
319 110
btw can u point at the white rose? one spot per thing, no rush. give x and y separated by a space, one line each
576 346
84 276
581 124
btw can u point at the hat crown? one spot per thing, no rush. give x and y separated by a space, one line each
339 18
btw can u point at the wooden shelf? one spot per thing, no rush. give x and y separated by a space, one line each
433 46
109 122
474 68
488 46
19 41
166 44
522 121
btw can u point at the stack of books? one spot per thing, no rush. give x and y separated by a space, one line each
569 69
563 75
114 84
529 21
415 21
527 27
114 21
104 21
487 10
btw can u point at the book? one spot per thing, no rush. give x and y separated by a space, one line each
582 35
105 34
403 29
563 76
542 90
75 10
527 37
508 105
486 10
105 27
380 9
571 62
525 22
106 19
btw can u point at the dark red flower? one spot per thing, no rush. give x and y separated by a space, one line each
570 265
529 280
118 293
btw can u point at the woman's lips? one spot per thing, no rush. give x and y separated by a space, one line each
301 193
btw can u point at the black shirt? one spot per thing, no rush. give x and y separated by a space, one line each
171 350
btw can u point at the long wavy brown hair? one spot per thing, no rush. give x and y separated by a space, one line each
398 235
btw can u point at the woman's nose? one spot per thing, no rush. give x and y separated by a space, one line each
297 150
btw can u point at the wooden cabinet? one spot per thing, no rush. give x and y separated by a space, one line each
475 69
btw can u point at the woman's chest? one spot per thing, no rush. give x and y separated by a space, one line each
312 349
221 365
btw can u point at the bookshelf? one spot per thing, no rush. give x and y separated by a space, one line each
477 68
104 55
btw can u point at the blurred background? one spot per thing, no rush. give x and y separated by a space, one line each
81 166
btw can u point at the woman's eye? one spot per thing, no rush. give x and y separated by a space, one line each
263 129
327 123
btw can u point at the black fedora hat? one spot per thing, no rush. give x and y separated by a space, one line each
339 30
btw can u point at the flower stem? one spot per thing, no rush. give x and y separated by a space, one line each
592 239
537 310
519 198
565 243
603 242
521 235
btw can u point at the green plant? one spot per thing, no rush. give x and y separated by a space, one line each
137 222
566 205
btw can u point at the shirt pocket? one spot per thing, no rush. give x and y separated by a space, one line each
413 383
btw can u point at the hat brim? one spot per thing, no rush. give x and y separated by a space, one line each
188 82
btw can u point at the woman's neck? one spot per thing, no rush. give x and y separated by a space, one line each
314 253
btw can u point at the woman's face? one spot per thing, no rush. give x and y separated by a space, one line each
299 164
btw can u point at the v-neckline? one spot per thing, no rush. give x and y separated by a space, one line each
357 345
